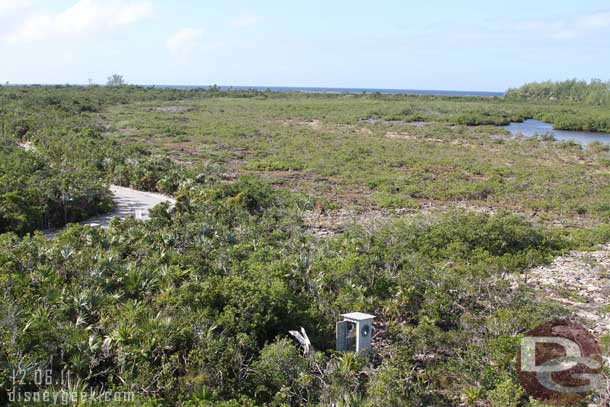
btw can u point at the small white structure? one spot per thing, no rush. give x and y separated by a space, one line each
354 332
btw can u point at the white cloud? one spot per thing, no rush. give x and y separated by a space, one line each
567 28
184 41
245 21
85 16
10 6
596 20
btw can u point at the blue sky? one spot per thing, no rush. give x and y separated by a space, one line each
434 44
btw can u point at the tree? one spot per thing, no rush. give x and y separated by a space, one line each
115 80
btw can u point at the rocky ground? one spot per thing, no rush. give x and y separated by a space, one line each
581 282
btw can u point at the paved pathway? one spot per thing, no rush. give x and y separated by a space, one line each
127 202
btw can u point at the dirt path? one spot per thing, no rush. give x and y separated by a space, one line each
128 202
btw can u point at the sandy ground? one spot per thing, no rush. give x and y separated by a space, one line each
128 202
27 146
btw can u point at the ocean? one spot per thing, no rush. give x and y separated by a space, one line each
345 90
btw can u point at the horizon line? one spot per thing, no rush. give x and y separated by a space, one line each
276 87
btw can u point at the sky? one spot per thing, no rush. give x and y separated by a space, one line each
400 44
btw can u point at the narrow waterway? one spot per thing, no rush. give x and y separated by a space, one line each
532 127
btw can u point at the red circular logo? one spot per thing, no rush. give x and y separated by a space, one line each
560 363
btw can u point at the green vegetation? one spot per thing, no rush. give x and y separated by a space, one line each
55 163
39 189
363 150
51 167
193 307
595 93
572 93
196 302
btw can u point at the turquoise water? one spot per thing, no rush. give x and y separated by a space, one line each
532 127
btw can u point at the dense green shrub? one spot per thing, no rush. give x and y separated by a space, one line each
595 92
280 374
148 174
36 193
190 306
